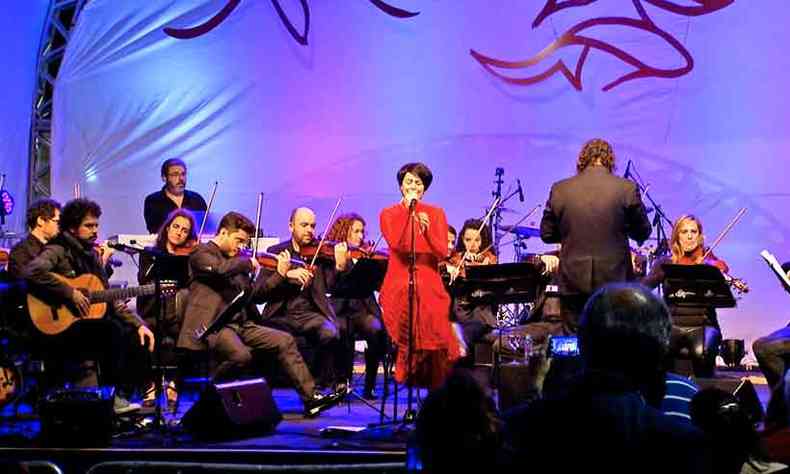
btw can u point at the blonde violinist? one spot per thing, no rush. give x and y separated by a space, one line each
473 248
694 329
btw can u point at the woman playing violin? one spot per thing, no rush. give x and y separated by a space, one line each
358 315
473 248
176 237
428 332
696 329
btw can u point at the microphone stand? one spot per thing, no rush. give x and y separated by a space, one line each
410 416
662 248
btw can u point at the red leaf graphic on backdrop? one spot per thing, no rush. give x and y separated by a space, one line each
301 38
575 36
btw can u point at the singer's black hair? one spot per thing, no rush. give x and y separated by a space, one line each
420 169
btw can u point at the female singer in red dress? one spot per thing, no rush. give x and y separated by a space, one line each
435 346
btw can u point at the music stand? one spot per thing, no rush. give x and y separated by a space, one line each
696 286
365 277
170 268
504 283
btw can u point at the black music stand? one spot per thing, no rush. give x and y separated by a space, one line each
504 283
365 277
164 268
696 286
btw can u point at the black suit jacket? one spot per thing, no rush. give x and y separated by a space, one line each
216 280
324 280
592 215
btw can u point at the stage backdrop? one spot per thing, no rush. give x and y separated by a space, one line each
309 101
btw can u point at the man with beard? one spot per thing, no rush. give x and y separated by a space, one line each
172 196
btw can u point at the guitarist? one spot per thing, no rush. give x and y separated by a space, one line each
219 274
115 341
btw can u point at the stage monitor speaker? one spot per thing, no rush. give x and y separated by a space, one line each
742 389
233 409
77 417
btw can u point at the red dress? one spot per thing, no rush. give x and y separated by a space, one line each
435 345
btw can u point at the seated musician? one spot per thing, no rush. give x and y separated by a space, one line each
358 315
172 196
695 329
219 273
177 238
109 340
477 320
42 220
773 353
300 305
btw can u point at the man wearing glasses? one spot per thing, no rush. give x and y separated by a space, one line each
172 196
42 218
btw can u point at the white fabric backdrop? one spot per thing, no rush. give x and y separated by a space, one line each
247 105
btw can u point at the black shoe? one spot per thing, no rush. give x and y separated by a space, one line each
368 394
320 402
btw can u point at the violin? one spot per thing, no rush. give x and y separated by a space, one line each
701 256
463 259
327 251
269 260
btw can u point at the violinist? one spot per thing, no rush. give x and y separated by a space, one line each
473 248
429 334
172 196
177 238
218 275
118 340
299 304
358 315
692 328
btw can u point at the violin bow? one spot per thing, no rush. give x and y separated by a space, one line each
323 234
257 226
724 232
208 210
376 244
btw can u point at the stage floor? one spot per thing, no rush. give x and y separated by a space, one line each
296 440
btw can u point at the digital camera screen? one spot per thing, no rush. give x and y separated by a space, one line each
564 346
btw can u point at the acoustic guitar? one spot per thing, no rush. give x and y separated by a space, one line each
53 319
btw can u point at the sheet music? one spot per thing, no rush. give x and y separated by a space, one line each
777 268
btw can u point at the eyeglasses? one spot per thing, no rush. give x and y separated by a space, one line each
177 175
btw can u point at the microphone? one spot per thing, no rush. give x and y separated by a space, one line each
520 191
627 173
